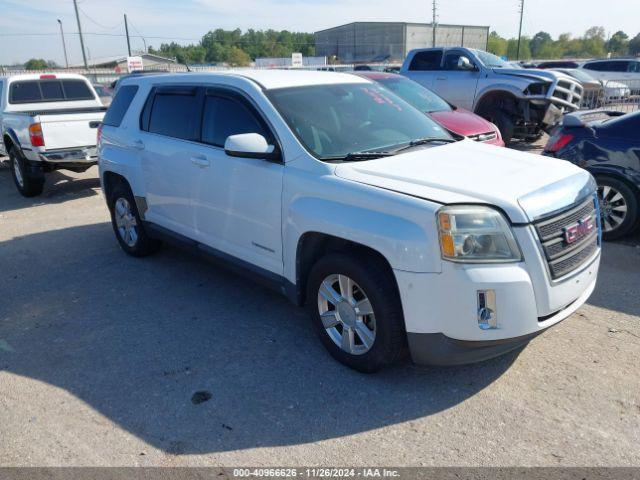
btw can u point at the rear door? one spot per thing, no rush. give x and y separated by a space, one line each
456 85
424 67
170 130
237 200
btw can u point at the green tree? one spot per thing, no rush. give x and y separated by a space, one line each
36 64
512 49
618 44
634 45
236 57
540 44
497 45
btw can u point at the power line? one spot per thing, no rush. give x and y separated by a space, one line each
98 23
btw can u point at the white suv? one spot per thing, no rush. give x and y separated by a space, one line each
350 201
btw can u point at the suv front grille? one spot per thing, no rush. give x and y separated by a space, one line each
570 238
567 93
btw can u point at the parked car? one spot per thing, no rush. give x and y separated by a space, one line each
607 145
521 102
105 93
349 200
625 69
48 123
557 64
593 95
456 120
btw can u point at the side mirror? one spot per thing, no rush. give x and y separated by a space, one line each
249 145
465 64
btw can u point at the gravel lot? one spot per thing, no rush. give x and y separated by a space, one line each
101 354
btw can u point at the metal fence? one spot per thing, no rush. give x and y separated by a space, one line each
618 95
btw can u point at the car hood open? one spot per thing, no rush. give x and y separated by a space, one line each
524 186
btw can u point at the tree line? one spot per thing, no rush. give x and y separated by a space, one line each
238 48
593 44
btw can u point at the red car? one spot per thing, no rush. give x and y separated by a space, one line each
452 118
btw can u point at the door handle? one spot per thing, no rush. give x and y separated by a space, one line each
138 144
441 78
201 162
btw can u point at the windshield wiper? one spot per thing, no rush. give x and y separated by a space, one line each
424 141
359 156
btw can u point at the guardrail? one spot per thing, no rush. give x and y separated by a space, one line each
618 95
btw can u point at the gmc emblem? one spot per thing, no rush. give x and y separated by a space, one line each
579 230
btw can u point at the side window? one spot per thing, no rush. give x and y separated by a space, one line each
426 61
224 116
451 61
634 67
176 114
597 66
120 105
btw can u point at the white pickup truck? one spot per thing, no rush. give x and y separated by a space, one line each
351 201
48 122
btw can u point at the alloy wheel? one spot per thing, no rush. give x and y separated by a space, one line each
126 222
613 207
347 314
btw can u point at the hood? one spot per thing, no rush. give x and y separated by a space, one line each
470 172
532 73
462 122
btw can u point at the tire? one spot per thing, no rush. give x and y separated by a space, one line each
28 184
127 225
505 124
384 339
618 207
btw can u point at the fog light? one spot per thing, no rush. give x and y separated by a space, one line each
487 311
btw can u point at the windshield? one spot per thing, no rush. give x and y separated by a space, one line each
489 60
337 120
415 94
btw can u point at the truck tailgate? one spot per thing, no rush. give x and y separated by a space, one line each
71 130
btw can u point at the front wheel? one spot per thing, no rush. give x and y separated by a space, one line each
618 207
355 308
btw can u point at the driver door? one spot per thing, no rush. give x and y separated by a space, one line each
456 84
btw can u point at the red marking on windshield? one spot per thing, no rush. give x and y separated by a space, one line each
380 98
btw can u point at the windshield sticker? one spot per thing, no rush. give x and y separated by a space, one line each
380 98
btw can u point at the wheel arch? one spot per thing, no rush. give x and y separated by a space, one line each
10 139
618 174
109 181
488 97
312 246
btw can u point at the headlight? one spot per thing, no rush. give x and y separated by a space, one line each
476 234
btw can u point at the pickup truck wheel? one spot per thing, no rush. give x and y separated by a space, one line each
127 224
504 123
355 308
618 207
28 185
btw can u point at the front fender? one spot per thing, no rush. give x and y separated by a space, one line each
499 88
409 243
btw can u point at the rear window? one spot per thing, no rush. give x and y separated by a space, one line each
175 115
120 105
49 90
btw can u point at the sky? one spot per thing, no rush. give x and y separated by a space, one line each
30 29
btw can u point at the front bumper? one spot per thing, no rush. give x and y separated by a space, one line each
441 309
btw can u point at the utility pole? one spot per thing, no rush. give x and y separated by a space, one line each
433 23
64 46
84 55
520 31
126 29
